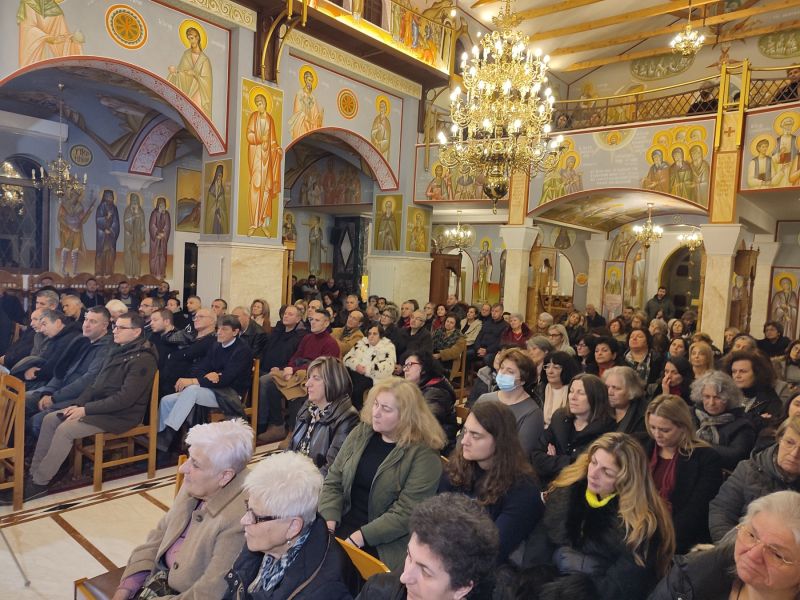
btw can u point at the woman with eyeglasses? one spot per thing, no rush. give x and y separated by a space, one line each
515 368
289 552
557 335
328 415
490 466
686 470
422 369
774 469
387 464
759 559
584 352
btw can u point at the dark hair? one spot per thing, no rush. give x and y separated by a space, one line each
137 320
381 331
789 351
102 311
569 367
452 521
684 367
335 378
527 370
165 314
683 341
612 344
224 303
413 303
53 316
648 338
624 326
430 368
776 324
509 462
452 315
596 394
231 321
762 367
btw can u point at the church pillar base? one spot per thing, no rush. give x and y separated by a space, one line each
720 243
519 240
597 249
400 278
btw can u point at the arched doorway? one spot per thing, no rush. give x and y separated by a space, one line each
681 274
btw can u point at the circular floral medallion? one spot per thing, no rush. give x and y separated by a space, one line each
126 26
347 103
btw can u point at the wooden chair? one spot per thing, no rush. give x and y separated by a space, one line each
178 475
12 423
460 371
59 281
143 435
249 401
366 564
462 412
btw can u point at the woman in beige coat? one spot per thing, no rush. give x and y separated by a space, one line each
195 543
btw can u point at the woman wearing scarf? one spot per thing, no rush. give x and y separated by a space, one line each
517 333
719 418
449 343
289 552
686 470
328 415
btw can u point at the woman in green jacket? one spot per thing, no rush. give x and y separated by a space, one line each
387 465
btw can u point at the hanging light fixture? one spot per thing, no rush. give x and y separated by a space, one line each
689 41
648 233
460 237
57 178
692 240
10 195
501 123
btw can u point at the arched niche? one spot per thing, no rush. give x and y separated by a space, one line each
681 273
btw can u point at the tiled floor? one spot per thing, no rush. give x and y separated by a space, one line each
75 534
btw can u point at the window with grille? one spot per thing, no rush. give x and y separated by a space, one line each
23 218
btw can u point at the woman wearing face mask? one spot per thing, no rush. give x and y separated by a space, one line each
515 368
611 533
572 428
489 465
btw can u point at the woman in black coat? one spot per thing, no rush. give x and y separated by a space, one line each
686 471
627 401
328 416
754 375
720 419
585 418
289 552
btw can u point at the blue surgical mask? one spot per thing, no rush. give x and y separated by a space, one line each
505 382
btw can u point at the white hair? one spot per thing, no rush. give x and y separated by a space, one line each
784 505
228 444
287 485
116 305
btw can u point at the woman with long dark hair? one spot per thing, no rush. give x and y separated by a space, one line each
489 465
422 369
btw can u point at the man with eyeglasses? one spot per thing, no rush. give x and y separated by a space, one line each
289 384
146 309
190 349
77 369
115 402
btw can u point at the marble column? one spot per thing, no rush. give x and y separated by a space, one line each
762 286
518 240
400 278
720 243
240 272
597 249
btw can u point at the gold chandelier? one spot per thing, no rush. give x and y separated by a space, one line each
648 233
10 195
692 240
501 124
57 178
689 41
459 237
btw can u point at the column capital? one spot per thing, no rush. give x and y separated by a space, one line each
721 239
597 246
519 237
767 248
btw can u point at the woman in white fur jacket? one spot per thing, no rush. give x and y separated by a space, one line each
372 358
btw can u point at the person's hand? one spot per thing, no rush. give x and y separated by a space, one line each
287 373
120 594
212 377
30 374
184 382
481 352
666 383
356 539
73 413
45 402
551 450
331 525
361 369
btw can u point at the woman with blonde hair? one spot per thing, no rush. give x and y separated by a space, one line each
686 470
388 464
259 312
612 532
558 336
701 357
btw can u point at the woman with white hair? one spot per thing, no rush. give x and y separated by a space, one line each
196 542
116 308
289 552
760 558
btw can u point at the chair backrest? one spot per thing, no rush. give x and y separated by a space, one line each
178 475
12 410
254 384
462 412
366 564
154 400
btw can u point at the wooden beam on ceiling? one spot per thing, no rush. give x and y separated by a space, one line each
629 17
646 35
543 11
729 37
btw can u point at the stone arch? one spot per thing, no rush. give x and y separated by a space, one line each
194 118
382 172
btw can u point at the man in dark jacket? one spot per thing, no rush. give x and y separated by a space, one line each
92 297
61 332
74 372
218 380
190 348
432 569
659 306
488 341
283 341
252 333
115 402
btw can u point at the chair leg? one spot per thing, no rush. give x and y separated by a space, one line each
99 443
151 454
77 460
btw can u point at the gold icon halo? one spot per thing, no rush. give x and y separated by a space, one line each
776 281
563 162
702 145
696 129
762 138
260 91
653 148
155 202
684 147
382 98
612 270
795 117
302 75
192 24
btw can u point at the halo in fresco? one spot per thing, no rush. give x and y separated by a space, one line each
302 74
126 26
757 140
615 138
793 116
259 91
191 24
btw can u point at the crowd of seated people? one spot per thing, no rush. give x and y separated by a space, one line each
598 459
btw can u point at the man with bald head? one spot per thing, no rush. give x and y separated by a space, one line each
348 335
252 334
73 308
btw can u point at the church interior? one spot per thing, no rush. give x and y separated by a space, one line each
234 148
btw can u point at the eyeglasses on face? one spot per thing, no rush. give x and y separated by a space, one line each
772 555
410 364
257 518
115 326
